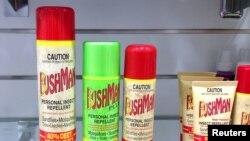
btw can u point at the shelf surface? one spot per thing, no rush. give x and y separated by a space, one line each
137 31
165 130
78 77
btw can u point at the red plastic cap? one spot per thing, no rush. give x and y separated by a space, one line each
243 76
140 62
55 23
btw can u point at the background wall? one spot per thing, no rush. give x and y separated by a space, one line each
176 52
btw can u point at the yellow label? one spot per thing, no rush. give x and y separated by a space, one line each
241 114
43 43
138 121
56 86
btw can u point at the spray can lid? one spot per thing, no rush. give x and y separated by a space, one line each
140 61
243 76
55 23
101 59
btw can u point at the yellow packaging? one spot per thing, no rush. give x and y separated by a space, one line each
180 93
212 103
187 103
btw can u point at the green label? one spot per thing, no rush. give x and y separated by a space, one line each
101 109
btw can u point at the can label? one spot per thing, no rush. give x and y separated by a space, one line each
241 113
101 108
56 88
138 121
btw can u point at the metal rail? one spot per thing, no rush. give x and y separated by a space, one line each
138 31
78 77
35 119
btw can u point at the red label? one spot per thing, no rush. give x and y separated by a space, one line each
58 136
139 106
97 99
187 129
57 82
216 107
200 138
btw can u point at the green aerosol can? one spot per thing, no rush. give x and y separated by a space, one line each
101 87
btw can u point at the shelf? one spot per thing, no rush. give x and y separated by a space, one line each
165 130
12 119
139 31
78 77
